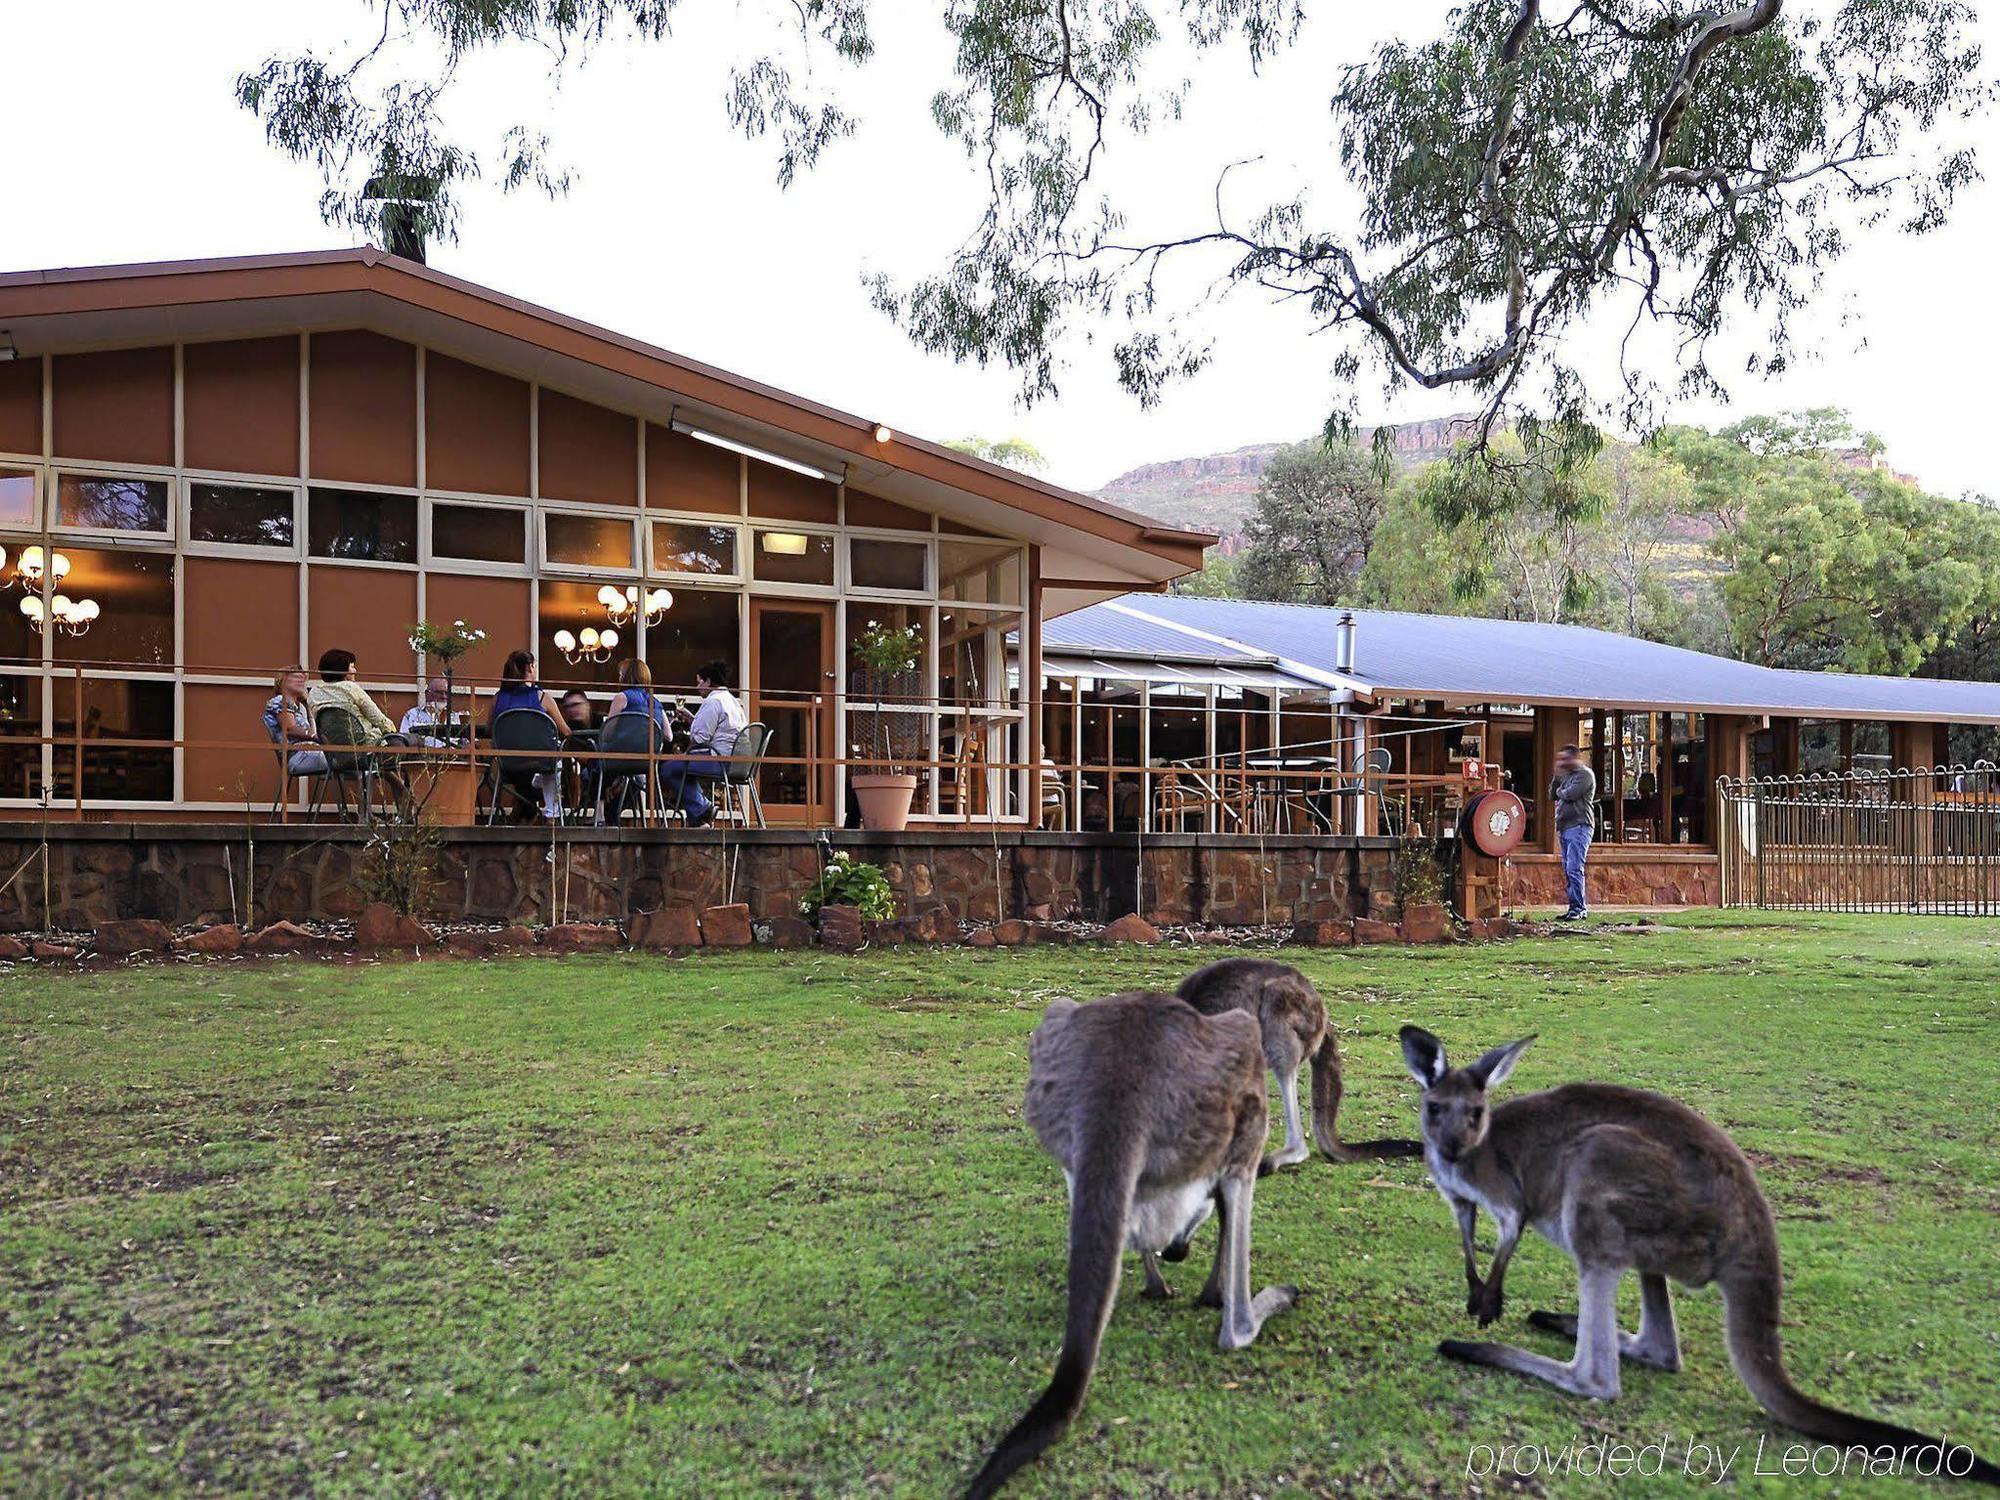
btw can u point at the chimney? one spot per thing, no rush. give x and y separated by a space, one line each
1343 643
404 203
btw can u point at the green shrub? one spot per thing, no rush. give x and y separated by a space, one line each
847 881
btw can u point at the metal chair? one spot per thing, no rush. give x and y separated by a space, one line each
631 734
349 758
739 774
288 778
533 734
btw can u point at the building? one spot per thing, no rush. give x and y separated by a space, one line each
1172 713
211 470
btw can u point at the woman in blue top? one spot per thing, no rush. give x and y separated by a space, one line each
639 697
519 690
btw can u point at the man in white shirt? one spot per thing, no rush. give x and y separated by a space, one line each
425 722
711 737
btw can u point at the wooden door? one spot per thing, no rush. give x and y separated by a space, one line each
791 692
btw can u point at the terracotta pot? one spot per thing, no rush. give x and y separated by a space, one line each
885 798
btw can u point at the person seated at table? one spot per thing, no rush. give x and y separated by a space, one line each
428 721
337 688
712 733
288 721
520 691
638 697
579 715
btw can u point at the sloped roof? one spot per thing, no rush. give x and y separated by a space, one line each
1458 659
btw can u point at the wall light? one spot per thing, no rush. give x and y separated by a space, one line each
882 432
784 543
750 450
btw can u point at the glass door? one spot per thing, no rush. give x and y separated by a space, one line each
791 692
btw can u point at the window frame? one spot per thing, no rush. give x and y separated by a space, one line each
732 524
546 566
39 515
195 547
432 560
52 506
853 534
774 588
314 559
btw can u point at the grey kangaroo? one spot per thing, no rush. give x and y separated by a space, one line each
1292 1017
1156 1114
1623 1180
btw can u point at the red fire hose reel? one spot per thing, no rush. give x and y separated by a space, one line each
1495 821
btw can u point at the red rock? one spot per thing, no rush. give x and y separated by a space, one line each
1374 930
1426 922
282 937
669 927
1332 932
124 937
12 948
1012 932
52 952
225 938
789 932
883 933
1039 912
1048 932
981 937
582 937
840 928
380 925
1383 906
515 936
726 927
474 942
1209 936
1131 928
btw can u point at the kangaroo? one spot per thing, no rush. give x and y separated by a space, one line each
1156 1114
1293 1020
1622 1180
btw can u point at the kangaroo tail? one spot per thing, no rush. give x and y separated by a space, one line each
1326 1113
1750 1303
1099 1205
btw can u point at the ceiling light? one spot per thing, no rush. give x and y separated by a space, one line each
784 543
750 450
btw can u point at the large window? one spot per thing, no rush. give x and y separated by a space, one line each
362 526
20 720
573 541
117 712
240 515
478 533
974 573
873 563
794 557
699 628
112 503
114 607
694 547
19 489
578 645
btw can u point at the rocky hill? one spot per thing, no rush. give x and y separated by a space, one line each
1217 491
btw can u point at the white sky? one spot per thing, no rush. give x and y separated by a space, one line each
675 231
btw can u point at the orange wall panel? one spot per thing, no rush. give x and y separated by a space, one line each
475 429
684 474
116 407
873 510
780 495
369 611
240 406
587 453
363 408
498 606
213 711
21 405
240 615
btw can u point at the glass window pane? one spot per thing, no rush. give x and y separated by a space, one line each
589 541
691 547
362 526
240 515
114 607
876 564
116 711
111 504
478 533
20 719
973 574
17 497
794 557
700 628
19 639
581 657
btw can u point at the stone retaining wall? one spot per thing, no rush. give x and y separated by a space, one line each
187 875
1618 876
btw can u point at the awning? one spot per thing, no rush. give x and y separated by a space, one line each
1180 674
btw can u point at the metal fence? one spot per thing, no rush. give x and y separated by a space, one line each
1924 840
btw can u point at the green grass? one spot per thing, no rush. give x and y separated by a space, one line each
772 1224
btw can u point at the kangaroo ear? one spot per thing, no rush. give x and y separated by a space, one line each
1424 1055
1492 1069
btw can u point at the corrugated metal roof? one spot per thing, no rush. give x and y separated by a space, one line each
1504 661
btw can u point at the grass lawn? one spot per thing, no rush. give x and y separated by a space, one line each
772 1225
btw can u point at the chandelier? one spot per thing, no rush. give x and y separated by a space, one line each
625 604
31 565
586 645
71 616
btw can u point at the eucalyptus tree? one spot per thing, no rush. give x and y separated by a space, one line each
1485 191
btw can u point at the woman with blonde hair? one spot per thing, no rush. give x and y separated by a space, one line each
288 721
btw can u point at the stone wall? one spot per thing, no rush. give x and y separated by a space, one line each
1618 876
185 874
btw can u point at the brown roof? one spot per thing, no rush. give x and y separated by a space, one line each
191 284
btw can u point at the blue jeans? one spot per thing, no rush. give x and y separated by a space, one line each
1575 850
684 792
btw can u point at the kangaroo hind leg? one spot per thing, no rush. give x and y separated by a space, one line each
1593 1371
1295 1148
1657 1344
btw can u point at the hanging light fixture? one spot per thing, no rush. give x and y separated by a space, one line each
623 605
588 644
33 563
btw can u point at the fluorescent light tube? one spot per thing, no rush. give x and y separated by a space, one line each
749 450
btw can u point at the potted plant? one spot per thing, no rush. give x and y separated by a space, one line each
444 647
886 661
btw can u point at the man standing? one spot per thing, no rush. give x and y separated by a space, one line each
1573 795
